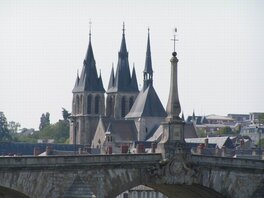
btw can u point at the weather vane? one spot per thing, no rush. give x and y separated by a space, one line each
174 38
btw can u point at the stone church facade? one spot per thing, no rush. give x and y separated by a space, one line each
95 119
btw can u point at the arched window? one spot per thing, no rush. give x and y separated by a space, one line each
77 104
89 104
97 102
81 104
109 106
131 101
123 107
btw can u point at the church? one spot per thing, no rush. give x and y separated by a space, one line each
117 117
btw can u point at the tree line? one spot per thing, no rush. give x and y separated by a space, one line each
59 131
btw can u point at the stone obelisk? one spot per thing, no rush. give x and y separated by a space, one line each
172 141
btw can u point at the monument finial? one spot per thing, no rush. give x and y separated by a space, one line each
174 42
90 27
123 28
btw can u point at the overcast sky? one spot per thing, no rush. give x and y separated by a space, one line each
220 52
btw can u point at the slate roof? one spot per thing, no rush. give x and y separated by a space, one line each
28 148
198 120
122 130
219 141
122 80
147 104
89 80
190 131
157 135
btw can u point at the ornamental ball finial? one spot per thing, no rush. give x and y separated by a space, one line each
174 54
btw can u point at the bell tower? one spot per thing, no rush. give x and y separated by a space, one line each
88 102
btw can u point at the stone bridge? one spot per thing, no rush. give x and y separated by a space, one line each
109 175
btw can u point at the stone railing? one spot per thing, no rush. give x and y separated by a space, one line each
78 160
225 162
225 152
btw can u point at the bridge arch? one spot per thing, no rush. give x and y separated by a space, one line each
186 191
259 192
8 192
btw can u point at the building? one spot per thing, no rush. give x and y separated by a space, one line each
95 120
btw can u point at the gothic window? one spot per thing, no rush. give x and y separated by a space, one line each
123 107
81 104
109 106
77 104
131 101
89 104
97 102
73 106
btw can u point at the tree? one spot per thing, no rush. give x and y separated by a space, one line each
58 131
13 127
225 130
44 121
4 132
65 114
261 118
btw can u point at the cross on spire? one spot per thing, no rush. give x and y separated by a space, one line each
174 38
90 26
123 28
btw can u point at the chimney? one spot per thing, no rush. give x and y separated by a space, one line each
49 150
37 151
206 141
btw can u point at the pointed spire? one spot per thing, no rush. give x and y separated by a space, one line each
148 72
134 84
183 116
193 117
148 62
89 80
100 83
123 49
77 80
112 78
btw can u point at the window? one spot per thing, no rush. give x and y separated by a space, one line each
97 101
77 104
123 107
109 106
131 101
89 104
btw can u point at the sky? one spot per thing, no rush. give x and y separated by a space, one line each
43 44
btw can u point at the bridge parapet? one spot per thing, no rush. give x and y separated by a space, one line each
225 162
78 160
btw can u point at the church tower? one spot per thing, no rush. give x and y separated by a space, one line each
88 102
147 111
123 88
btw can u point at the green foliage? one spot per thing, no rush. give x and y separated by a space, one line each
225 130
4 131
261 118
18 137
13 126
44 120
262 143
201 133
58 131
65 114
